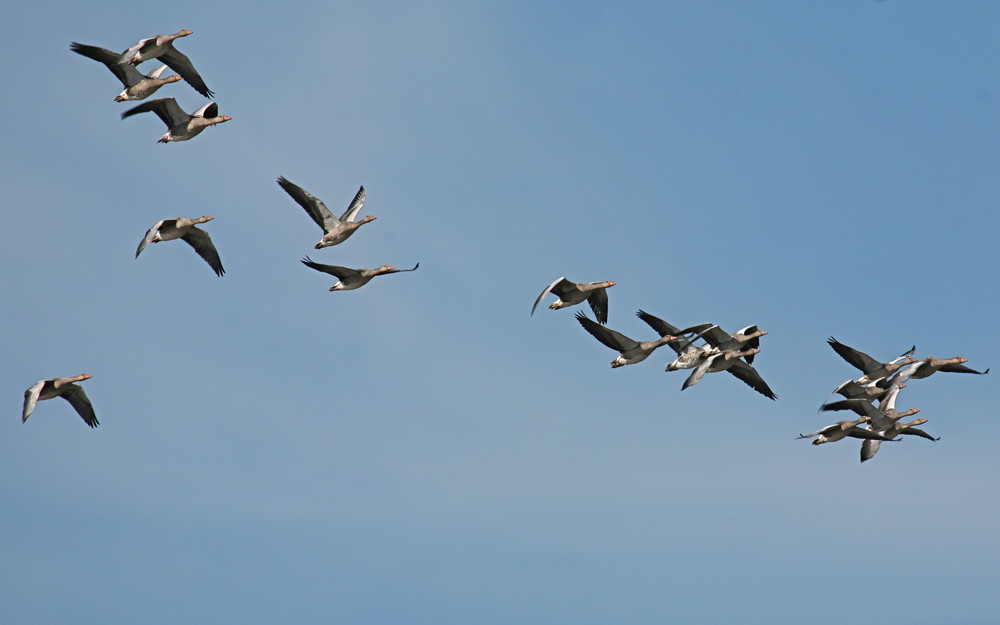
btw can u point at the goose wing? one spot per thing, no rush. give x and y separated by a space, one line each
663 328
312 204
749 376
125 72
180 63
166 109
78 399
598 301
31 398
920 433
355 206
961 369
150 234
869 448
334 270
202 243
558 287
615 340
859 360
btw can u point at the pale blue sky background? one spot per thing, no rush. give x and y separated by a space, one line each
422 451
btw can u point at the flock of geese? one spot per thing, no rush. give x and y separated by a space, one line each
872 396
719 351
182 127
880 382
703 348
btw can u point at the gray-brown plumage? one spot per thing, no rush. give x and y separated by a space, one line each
60 387
569 293
335 230
186 229
352 278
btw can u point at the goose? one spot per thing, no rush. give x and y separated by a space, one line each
352 278
873 370
745 338
569 293
869 447
841 430
137 86
162 47
729 360
61 387
334 230
928 366
689 355
181 126
630 351
185 228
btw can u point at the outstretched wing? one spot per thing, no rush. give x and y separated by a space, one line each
749 376
598 301
615 340
78 399
860 360
30 399
167 109
355 206
312 204
334 270
146 240
556 287
202 243
180 63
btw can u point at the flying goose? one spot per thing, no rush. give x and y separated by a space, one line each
61 387
869 447
873 369
137 86
841 430
185 228
352 278
334 230
181 126
162 47
928 366
729 360
569 293
630 351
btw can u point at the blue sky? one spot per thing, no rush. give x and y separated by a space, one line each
423 451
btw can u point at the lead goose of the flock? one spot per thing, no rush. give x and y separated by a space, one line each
181 126
162 47
729 360
186 229
569 293
334 230
352 278
137 86
60 387
629 350
873 369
